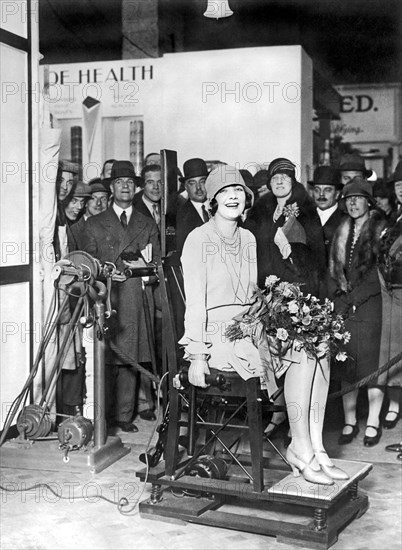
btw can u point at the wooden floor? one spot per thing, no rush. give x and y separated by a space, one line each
51 504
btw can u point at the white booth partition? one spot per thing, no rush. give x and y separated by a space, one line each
241 106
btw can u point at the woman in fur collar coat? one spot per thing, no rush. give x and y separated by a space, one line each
356 291
290 241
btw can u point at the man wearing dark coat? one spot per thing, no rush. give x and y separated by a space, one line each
148 200
193 212
96 203
326 190
121 229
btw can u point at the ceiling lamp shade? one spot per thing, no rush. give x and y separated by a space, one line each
217 9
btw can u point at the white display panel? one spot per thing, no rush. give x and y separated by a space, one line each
14 189
14 351
14 16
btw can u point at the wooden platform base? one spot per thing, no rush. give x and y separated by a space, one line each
290 509
46 455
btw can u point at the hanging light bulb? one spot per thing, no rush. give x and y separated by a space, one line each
217 9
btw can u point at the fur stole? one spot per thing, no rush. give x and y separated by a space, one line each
367 253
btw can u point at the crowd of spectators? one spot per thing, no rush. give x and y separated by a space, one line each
346 247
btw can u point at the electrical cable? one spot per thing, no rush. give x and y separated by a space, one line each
158 417
123 501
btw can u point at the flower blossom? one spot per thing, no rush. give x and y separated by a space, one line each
293 307
282 334
341 356
271 280
307 320
346 337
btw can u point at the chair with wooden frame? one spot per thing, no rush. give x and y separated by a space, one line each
225 388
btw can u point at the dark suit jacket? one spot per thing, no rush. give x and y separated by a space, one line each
105 239
330 227
139 205
187 219
77 235
170 220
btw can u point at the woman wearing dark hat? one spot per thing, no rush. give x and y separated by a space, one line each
357 295
384 198
220 272
391 289
290 242
288 231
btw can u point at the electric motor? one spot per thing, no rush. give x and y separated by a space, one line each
34 422
209 466
74 433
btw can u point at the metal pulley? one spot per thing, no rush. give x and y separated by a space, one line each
209 466
34 422
74 433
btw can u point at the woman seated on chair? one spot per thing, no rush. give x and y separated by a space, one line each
220 272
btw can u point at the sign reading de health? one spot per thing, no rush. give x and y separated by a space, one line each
119 86
369 114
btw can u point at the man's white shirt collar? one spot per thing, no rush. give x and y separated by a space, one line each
198 206
119 211
326 214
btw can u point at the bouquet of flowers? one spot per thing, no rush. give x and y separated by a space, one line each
289 317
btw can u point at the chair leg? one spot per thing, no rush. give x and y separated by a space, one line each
255 432
172 443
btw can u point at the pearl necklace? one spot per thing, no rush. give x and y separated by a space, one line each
231 244
356 234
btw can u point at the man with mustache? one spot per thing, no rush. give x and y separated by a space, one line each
194 211
326 190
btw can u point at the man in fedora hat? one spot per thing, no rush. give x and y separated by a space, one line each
326 186
110 236
193 212
97 202
352 165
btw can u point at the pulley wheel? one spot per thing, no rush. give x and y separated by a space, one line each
34 422
209 466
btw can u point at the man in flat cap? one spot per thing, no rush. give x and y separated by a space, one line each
110 236
193 212
67 175
97 202
70 388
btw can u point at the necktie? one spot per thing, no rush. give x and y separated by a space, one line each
155 213
204 213
123 219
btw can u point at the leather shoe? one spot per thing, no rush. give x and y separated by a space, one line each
348 438
126 426
389 424
394 448
371 441
147 415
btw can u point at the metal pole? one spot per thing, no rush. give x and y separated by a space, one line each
99 376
